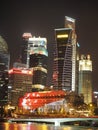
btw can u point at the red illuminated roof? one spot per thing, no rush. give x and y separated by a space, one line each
34 100
20 71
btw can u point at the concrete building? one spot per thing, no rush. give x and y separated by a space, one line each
38 62
85 78
20 82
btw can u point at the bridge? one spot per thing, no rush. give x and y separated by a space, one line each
56 121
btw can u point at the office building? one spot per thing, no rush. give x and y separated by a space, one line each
20 82
4 54
85 78
38 62
70 23
65 57
62 70
25 47
35 56
4 66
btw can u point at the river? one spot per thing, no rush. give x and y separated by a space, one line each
43 126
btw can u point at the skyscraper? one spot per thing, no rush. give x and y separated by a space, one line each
85 78
4 66
35 55
4 55
38 62
65 56
62 70
25 49
70 23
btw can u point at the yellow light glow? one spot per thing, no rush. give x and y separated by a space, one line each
62 36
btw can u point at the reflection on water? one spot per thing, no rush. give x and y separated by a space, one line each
35 126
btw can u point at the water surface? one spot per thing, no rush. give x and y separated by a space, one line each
35 126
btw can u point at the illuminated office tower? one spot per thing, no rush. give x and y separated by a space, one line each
62 70
38 62
4 55
20 82
65 49
85 78
4 66
70 23
25 49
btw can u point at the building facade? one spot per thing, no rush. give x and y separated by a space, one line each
65 47
4 67
35 56
38 62
70 23
85 78
20 82
25 49
62 70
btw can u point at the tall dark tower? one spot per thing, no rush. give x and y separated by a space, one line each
25 49
4 66
38 62
70 23
4 55
63 59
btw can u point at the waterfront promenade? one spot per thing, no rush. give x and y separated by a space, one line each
56 121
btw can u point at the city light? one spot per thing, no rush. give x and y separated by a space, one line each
62 36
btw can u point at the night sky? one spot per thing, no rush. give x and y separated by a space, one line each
41 17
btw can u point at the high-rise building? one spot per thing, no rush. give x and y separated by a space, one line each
35 55
38 62
70 23
25 49
20 82
85 78
4 66
62 70
65 57
4 55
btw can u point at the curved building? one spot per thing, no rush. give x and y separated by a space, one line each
4 55
4 66
38 62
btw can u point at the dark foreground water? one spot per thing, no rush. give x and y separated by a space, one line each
35 126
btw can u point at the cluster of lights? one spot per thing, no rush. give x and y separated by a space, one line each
20 71
62 36
38 99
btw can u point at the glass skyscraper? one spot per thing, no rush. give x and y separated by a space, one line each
63 59
4 55
38 62
65 56
35 56
4 66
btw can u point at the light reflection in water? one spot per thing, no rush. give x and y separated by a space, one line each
43 127
35 126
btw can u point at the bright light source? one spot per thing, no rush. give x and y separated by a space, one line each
62 36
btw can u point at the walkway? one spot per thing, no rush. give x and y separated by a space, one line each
56 121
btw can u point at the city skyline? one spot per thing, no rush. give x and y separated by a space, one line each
41 18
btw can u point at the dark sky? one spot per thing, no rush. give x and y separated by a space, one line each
41 17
